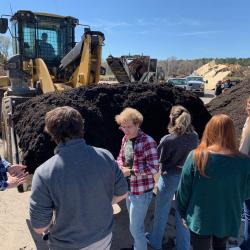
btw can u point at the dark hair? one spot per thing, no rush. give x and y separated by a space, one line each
63 124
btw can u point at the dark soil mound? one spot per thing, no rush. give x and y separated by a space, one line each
232 103
99 105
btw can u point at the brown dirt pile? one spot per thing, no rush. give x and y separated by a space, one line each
99 105
232 103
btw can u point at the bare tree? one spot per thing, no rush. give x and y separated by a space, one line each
4 46
4 51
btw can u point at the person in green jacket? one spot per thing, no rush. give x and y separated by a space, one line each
215 182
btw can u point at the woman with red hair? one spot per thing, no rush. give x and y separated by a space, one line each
215 182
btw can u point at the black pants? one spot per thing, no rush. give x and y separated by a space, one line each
203 242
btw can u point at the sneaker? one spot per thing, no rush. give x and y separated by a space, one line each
242 217
147 235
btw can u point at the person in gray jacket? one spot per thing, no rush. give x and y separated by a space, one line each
173 150
72 192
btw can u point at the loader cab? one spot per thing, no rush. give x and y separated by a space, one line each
51 38
41 35
45 59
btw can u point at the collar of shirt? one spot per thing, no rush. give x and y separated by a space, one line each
138 137
67 144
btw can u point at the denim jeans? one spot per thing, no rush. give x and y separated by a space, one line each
246 243
166 188
137 206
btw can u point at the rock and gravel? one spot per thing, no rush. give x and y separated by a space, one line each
232 102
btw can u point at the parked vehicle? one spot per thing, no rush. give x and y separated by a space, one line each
195 84
178 82
192 83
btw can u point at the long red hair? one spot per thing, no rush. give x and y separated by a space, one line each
219 134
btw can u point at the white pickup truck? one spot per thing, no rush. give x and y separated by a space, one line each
192 83
195 84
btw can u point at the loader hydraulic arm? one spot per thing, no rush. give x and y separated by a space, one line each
87 57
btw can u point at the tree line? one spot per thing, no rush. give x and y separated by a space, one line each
173 67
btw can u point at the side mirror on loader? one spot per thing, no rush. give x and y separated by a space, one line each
3 25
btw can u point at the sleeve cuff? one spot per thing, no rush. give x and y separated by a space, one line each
121 189
6 163
4 185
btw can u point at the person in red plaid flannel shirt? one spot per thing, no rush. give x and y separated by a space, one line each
138 160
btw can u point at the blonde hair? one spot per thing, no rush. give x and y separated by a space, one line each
219 134
129 114
180 122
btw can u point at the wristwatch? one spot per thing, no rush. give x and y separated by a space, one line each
45 235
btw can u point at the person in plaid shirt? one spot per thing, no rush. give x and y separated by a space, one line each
138 160
11 175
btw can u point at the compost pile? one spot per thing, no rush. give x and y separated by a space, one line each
232 103
98 105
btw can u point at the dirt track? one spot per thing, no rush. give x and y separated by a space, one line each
15 231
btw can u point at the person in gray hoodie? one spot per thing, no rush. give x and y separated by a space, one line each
72 192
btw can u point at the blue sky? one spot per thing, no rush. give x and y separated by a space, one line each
185 29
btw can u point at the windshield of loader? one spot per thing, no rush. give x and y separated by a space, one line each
47 44
50 38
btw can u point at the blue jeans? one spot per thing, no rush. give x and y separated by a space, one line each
166 188
246 243
137 206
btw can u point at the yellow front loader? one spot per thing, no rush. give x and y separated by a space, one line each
46 58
